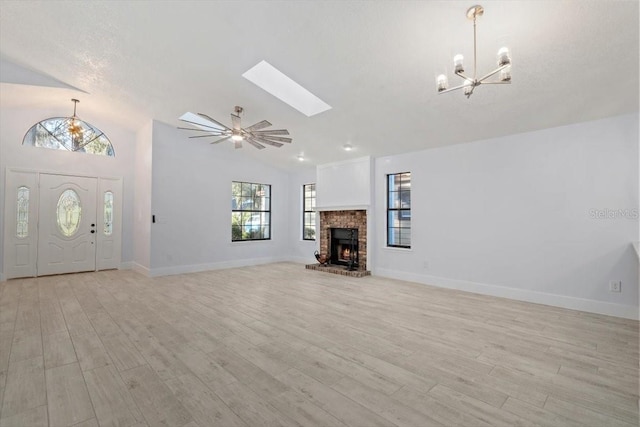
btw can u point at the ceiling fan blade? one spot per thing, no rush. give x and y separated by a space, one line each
237 144
203 130
214 121
235 121
260 125
272 132
212 135
201 121
266 141
203 126
220 140
276 138
255 143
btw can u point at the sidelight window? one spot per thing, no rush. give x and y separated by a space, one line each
22 213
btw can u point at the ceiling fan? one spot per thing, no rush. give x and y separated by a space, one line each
253 134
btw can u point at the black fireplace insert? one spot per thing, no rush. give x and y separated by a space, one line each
344 247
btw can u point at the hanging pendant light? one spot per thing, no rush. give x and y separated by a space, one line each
470 83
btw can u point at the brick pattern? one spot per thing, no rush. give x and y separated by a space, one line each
345 219
337 270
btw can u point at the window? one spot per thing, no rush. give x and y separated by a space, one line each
108 213
69 212
52 133
309 212
250 211
22 214
399 210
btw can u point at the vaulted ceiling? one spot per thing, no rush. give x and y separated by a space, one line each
374 62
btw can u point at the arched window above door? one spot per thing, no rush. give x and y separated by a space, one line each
70 134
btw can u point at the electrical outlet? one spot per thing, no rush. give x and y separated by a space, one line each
615 286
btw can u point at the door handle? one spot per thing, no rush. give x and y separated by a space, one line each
93 231
93 225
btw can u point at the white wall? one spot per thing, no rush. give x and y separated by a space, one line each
300 250
191 199
512 216
14 123
142 206
344 185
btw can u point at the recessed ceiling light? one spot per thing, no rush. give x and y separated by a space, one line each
301 158
269 78
347 147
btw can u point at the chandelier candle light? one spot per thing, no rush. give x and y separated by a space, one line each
470 83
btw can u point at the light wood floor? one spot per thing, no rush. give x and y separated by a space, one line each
281 345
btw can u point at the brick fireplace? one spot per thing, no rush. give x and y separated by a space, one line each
351 219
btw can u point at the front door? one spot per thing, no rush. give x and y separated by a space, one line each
67 224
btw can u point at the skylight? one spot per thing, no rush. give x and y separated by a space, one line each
269 78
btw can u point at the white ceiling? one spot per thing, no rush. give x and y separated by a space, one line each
374 62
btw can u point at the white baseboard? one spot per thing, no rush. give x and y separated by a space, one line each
140 269
195 268
301 260
126 265
573 303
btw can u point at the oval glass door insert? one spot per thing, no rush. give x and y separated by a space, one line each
68 213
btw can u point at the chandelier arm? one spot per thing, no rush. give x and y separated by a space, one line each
460 74
497 70
496 83
451 89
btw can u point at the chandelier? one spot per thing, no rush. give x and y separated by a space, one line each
71 132
470 83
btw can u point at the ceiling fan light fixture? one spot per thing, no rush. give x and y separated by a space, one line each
473 81
256 134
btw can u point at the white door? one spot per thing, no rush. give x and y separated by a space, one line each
67 224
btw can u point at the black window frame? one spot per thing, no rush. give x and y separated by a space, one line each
247 198
308 212
404 213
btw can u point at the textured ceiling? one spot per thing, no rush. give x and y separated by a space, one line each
374 62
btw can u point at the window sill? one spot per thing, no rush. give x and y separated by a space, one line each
394 249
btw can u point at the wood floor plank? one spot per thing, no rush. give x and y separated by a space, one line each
122 352
280 345
67 397
344 409
90 351
381 404
154 399
58 349
111 399
31 417
25 387
26 345
202 403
